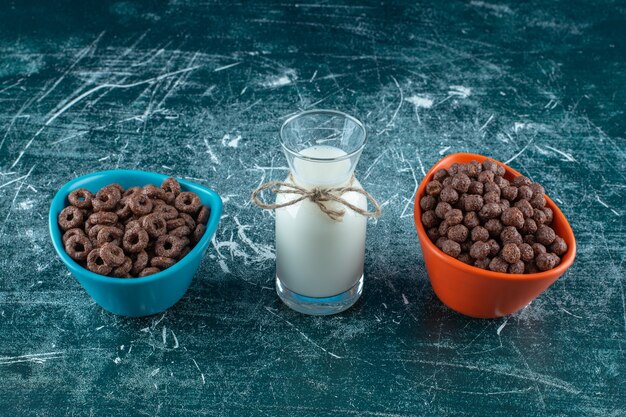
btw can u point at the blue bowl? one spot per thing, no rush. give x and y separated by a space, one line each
144 296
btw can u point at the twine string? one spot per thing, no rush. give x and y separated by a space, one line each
317 195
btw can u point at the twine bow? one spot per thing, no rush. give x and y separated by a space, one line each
318 196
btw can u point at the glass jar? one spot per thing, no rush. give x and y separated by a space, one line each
319 260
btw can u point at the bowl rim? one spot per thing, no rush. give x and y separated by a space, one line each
566 260
59 199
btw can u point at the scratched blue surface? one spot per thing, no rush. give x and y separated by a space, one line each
199 90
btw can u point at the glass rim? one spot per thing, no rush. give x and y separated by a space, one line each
322 111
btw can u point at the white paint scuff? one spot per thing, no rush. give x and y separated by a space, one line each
231 141
280 81
421 102
459 91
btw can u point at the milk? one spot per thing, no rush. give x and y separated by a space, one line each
316 256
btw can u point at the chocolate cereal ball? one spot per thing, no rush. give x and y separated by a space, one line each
511 253
428 202
521 180
471 220
489 165
545 235
490 211
458 233
449 195
537 189
473 202
530 239
491 186
549 214
430 219
509 193
546 261
482 263
480 250
539 216
491 197
517 268
440 175
479 233
476 187
442 208
461 182
474 168
510 235
465 258
525 207
494 247
513 217
501 182
524 193
454 217
526 252
486 176
498 264
444 226
494 227
530 226
450 247
433 233
538 249
434 188
454 169
538 201
558 247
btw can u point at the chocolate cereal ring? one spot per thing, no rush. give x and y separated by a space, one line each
96 264
200 229
118 187
175 223
140 261
167 212
153 191
123 271
135 240
187 202
72 232
80 198
180 231
162 262
122 209
110 234
203 215
154 224
112 254
78 246
106 199
168 246
131 191
149 271
191 223
140 204
103 217
170 185
184 252
70 217
94 230
132 223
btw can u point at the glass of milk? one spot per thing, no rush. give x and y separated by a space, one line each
319 261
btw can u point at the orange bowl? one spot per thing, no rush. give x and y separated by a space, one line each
482 293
